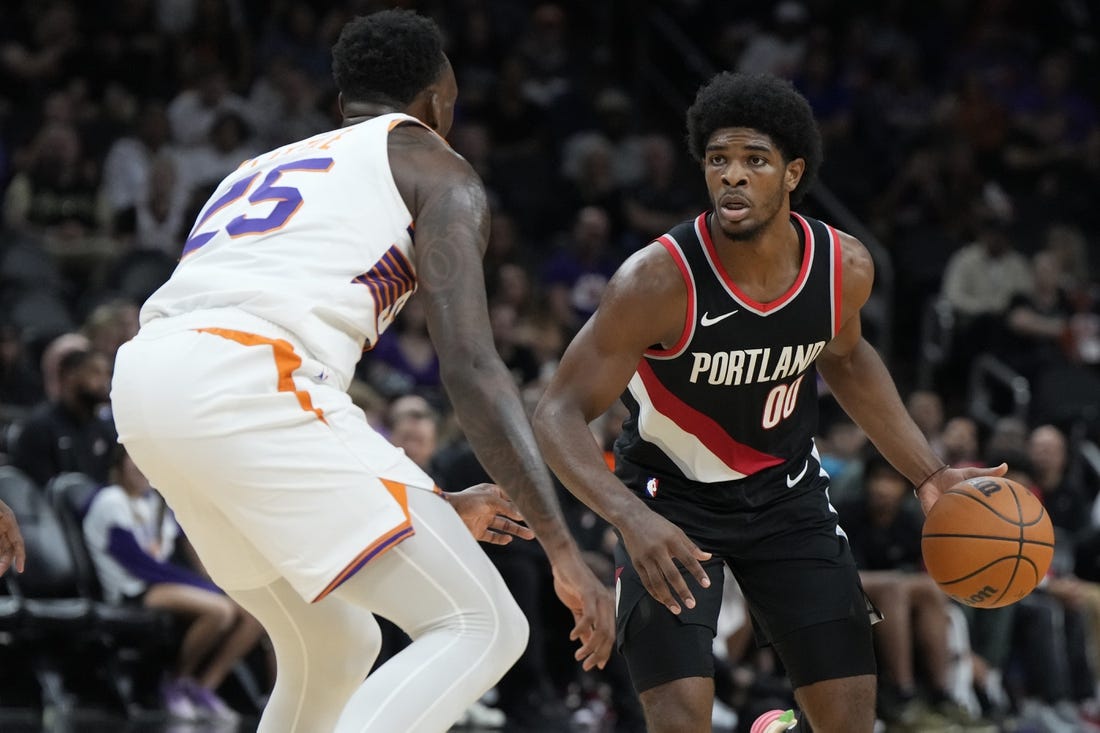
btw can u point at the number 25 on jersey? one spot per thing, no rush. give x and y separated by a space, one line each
288 200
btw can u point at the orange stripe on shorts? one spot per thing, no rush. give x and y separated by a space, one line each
286 363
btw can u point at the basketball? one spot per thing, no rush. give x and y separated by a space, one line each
987 542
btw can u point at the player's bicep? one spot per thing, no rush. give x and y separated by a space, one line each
602 358
452 227
858 278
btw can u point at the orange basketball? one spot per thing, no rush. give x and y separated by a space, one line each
987 542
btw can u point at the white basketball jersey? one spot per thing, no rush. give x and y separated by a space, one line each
313 237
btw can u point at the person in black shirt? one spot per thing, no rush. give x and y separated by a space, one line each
710 336
70 433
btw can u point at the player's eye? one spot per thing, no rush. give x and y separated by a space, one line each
757 160
717 160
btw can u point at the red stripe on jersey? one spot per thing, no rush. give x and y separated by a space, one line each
738 456
838 280
689 321
803 273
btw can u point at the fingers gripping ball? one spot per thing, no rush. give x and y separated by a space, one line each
987 542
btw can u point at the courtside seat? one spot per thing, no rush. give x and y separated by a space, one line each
69 495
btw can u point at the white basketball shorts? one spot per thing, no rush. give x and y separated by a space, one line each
270 470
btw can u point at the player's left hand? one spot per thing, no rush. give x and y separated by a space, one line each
11 541
489 514
931 490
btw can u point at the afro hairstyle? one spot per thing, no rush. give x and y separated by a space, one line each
387 57
760 102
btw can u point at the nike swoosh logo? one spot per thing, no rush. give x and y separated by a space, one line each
791 482
706 320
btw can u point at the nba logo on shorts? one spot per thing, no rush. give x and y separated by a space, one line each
651 487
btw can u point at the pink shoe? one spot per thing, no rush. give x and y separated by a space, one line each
774 721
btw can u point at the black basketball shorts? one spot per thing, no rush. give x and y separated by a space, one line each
803 594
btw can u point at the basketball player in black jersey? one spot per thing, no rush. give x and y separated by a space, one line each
714 336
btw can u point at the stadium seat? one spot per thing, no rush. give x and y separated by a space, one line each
139 635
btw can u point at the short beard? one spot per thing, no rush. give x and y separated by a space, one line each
744 235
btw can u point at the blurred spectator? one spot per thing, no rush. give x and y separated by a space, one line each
69 433
661 199
111 325
127 170
132 535
1066 500
926 409
229 143
57 196
404 360
414 427
284 103
779 50
959 442
192 113
508 339
1036 324
54 352
576 275
980 281
1008 437
20 382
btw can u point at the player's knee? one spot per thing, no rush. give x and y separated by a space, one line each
514 631
670 714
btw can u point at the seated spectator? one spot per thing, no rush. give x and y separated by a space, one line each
577 273
51 359
926 409
69 433
111 325
884 532
404 360
981 279
1036 323
959 442
127 169
1065 497
132 535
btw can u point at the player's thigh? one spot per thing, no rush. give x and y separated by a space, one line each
660 646
438 576
680 706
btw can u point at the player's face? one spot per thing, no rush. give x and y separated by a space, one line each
748 180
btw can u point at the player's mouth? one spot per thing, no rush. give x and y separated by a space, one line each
733 208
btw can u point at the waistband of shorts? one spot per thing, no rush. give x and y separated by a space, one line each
232 319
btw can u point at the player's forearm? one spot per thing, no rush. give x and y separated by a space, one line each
575 458
865 390
492 417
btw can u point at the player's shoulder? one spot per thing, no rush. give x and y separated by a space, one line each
654 271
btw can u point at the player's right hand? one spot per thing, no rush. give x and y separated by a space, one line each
11 541
593 607
655 545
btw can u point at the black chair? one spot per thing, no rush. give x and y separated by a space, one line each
141 637
55 622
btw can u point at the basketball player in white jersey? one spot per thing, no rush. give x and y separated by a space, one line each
232 399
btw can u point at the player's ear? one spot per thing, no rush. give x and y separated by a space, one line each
433 109
793 174
340 103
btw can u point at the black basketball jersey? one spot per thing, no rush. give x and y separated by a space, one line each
734 402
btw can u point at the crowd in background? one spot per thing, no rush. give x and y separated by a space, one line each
963 137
